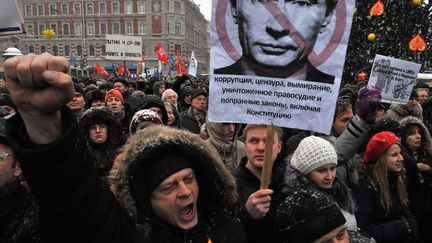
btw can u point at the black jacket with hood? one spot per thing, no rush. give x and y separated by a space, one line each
217 194
419 182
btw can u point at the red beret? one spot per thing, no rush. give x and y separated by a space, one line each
377 145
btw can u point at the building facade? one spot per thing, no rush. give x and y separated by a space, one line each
81 26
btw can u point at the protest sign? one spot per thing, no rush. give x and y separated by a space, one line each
11 19
193 65
394 77
279 63
123 47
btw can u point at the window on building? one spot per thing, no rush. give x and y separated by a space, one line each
43 49
90 10
177 7
78 28
31 49
116 28
102 8
92 51
29 30
77 8
103 28
66 51
141 7
142 27
28 10
103 50
40 10
64 9
129 28
65 29
54 27
41 28
52 9
116 8
79 50
55 50
90 28
177 28
128 7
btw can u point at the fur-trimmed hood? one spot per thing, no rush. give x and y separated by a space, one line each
426 144
217 186
400 111
102 115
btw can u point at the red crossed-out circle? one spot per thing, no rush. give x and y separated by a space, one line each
315 59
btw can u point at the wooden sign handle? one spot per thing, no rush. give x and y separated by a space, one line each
268 163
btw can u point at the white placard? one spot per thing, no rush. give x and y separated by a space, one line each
11 20
278 34
123 47
394 77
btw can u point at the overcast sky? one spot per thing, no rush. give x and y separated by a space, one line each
205 7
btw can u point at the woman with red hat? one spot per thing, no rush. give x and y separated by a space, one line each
381 197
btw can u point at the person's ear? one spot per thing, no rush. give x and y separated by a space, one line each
234 13
17 171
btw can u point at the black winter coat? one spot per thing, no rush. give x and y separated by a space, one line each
371 217
77 206
18 214
257 230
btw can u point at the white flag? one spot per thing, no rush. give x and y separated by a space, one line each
193 65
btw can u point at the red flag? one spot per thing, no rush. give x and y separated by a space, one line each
161 54
121 70
179 65
101 70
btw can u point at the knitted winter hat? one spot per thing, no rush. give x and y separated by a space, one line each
307 215
312 153
377 145
142 116
114 93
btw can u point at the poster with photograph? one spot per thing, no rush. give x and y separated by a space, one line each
394 77
278 62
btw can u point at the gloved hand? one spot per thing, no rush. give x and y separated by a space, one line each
367 103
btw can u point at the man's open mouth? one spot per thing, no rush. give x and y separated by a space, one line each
187 213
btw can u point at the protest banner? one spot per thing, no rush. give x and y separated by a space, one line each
285 66
394 77
123 47
11 19
193 65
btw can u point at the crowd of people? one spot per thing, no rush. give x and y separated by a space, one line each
114 161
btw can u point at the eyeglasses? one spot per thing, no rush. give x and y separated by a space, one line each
4 155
